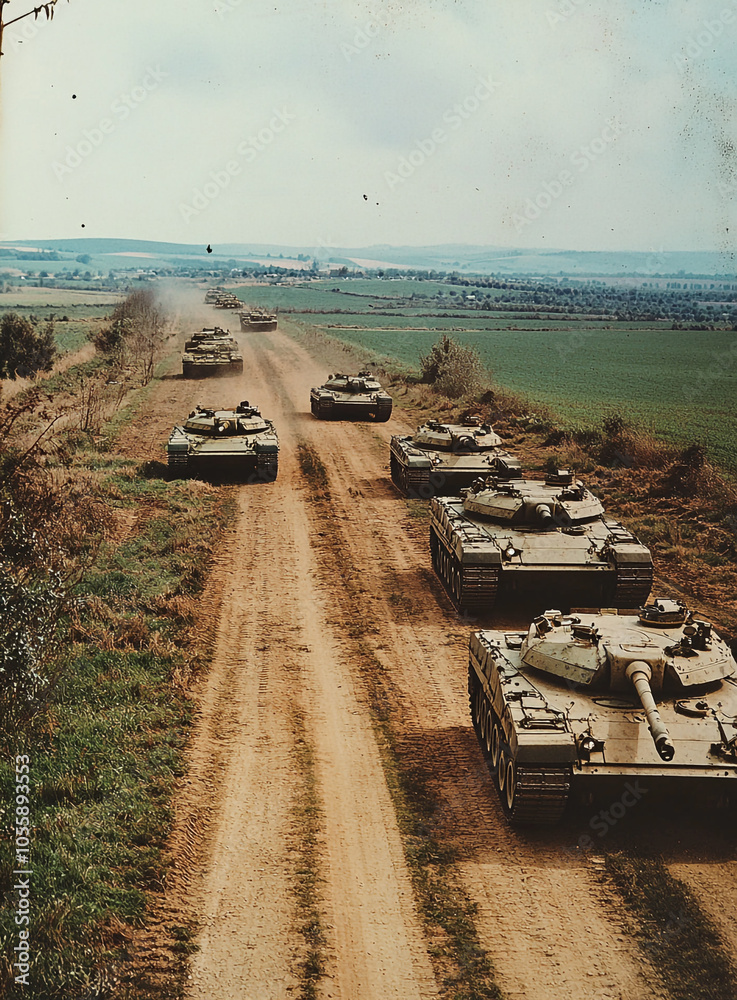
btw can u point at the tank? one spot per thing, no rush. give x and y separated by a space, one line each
211 353
357 397
549 539
227 300
257 319
601 698
225 444
442 459
213 294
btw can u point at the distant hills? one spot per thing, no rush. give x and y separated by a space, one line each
120 254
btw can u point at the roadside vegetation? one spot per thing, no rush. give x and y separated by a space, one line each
101 563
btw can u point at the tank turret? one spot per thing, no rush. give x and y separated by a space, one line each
595 696
441 459
546 537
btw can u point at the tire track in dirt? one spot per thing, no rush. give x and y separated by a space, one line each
530 896
276 648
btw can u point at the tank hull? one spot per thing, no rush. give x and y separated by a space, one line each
560 566
421 474
212 369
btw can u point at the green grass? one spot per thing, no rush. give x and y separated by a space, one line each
679 940
106 756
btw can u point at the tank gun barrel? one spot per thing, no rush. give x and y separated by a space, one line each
639 673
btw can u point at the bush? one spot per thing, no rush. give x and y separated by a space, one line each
23 351
452 368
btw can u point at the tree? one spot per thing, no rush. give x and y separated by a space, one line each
452 368
137 333
47 8
23 351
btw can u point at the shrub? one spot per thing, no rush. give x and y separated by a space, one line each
23 351
452 368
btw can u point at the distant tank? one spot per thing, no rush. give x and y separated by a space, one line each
547 538
228 301
442 459
213 294
600 698
253 320
358 397
225 444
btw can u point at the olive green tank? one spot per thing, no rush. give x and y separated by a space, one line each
627 701
547 538
211 353
225 444
442 459
351 397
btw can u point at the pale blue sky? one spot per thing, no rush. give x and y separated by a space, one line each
579 124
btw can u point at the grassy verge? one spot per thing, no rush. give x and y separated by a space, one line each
677 938
307 828
105 756
462 966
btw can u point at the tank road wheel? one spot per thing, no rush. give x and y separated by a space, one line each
490 726
501 771
496 745
510 787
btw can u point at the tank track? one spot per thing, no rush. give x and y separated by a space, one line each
322 409
414 483
632 586
177 460
473 588
267 467
530 794
381 412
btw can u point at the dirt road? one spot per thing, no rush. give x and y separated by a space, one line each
317 591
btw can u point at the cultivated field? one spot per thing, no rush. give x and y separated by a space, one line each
680 384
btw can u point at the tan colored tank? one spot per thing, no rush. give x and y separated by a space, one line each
441 459
545 538
628 701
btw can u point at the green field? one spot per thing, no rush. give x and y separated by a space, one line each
681 385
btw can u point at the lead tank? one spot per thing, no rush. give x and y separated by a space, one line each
225 444
633 699
351 396
442 459
547 538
